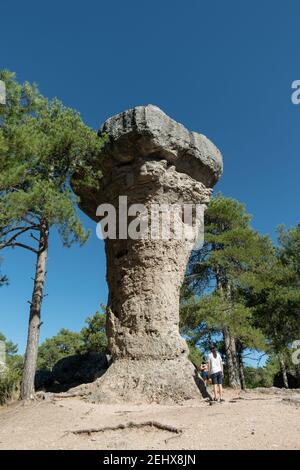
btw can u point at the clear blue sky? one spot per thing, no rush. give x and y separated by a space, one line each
223 68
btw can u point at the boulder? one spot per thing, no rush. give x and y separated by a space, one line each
292 381
43 379
79 369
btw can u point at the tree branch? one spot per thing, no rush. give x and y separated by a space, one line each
23 245
4 232
10 241
35 238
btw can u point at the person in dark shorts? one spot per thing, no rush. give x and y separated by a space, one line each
204 372
215 369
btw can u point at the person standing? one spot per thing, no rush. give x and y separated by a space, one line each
216 371
204 372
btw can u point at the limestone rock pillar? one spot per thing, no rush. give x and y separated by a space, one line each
154 161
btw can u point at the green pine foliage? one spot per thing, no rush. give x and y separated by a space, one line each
277 302
241 282
10 377
64 343
232 257
42 144
93 335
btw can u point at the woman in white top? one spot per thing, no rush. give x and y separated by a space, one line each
215 369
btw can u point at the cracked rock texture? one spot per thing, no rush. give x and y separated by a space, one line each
151 159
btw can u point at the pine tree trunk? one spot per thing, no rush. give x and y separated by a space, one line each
241 372
232 362
229 341
27 386
283 372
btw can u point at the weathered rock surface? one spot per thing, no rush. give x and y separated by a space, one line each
43 379
146 130
151 159
79 368
293 381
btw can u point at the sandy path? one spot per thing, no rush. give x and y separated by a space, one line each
255 421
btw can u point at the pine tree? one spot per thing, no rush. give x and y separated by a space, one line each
276 299
64 343
42 143
226 266
93 335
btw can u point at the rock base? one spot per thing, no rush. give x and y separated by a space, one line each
144 381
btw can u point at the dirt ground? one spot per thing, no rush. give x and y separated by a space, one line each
260 419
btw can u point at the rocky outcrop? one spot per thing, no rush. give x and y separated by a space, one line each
43 379
153 161
293 381
71 371
79 368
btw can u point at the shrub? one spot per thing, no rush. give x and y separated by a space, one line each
9 385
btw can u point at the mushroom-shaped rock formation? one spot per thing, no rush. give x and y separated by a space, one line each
154 161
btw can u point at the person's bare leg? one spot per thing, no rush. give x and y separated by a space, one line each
220 391
215 391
